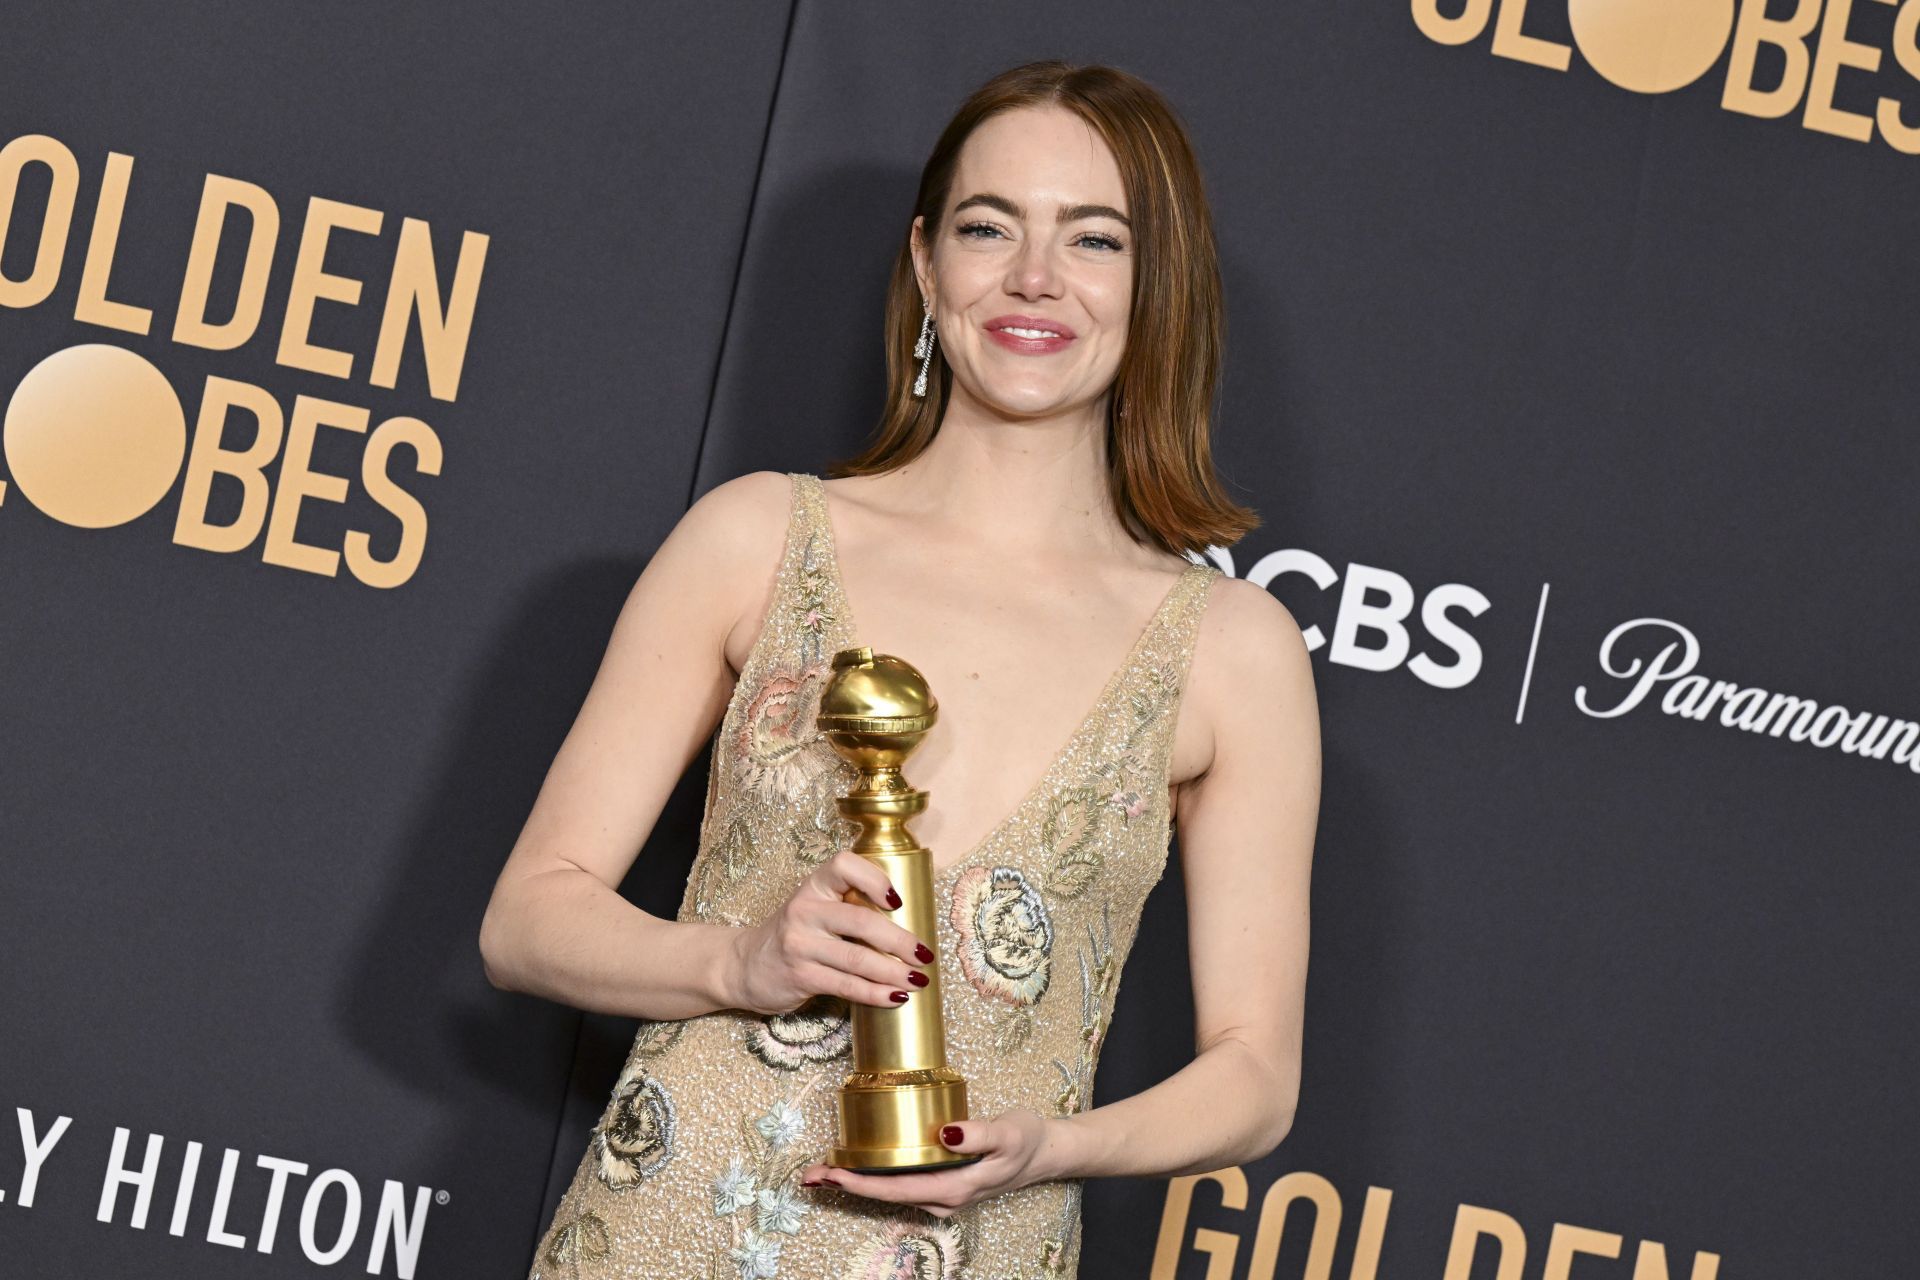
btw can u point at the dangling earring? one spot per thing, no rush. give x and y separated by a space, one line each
923 349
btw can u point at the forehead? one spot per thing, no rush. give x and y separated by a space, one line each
1039 156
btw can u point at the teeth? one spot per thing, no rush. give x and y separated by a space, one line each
1030 333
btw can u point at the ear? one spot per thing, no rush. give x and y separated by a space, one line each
922 257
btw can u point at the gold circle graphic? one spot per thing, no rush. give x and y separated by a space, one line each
1651 46
94 436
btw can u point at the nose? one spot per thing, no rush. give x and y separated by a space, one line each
1033 273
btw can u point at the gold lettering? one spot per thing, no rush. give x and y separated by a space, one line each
209 458
54 228
1298 1185
443 329
93 306
217 196
299 482
1441 29
381 488
1508 42
1836 51
1651 1263
1470 1222
1789 35
1220 1246
312 283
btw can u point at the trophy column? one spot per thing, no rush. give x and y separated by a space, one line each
874 712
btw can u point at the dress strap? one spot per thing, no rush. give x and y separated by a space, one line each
1188 607
809 586
1166 657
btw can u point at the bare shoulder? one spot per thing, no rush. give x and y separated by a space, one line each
734 524
714 571
1250 671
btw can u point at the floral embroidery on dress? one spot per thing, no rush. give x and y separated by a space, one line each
823 832
1006 945
909 1251
757 1257
1069 839
767 1185
777 737
818 1031
814 612
1006 938
1056 1244
1074 834
580 1238
1097 977
655 1036
635 1136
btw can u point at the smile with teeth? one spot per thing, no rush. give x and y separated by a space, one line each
1028 333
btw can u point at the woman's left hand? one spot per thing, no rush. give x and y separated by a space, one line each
1009 1144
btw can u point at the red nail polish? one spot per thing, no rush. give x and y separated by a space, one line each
893 899
810 1182
916 977
951 1135
830 1182
923 953
898 997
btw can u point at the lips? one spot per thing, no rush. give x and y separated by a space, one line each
1029 335
1036 326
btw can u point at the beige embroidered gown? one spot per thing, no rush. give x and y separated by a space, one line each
693 1169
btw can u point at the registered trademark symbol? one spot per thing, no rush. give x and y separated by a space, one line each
441 1197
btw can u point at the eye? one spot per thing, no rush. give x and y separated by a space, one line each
1097 238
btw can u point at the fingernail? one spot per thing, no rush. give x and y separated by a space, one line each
923 953
898 997
951 1135
830 1182
811 1182
893 899
916 977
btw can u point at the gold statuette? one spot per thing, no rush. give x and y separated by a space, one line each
874 711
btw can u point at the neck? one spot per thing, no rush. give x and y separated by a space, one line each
1018 482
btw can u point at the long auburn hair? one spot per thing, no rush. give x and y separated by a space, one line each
1160 473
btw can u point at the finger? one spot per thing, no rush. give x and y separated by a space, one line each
847 870
876 930
939 1190
971 1136
828 980
856 957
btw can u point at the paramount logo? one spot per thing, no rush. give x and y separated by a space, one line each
1737 706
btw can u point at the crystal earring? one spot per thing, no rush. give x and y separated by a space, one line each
923 349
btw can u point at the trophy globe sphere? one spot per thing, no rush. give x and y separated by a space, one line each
875 708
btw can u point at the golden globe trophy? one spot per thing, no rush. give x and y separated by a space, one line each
874 711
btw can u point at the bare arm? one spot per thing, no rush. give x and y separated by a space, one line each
1246 836
556 925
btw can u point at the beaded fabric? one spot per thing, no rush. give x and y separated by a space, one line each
694 1167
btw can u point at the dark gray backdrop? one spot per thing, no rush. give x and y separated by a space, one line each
1490 324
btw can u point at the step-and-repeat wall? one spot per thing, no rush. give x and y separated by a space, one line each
354 359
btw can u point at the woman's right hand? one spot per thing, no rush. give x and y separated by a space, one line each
819 944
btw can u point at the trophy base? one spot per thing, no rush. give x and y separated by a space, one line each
934 1158
895 1128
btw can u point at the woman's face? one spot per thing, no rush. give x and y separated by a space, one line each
1031 271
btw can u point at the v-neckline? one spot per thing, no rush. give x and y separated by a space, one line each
1086 723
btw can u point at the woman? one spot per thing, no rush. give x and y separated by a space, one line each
1015 530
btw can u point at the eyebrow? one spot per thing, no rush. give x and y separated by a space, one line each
1069 214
